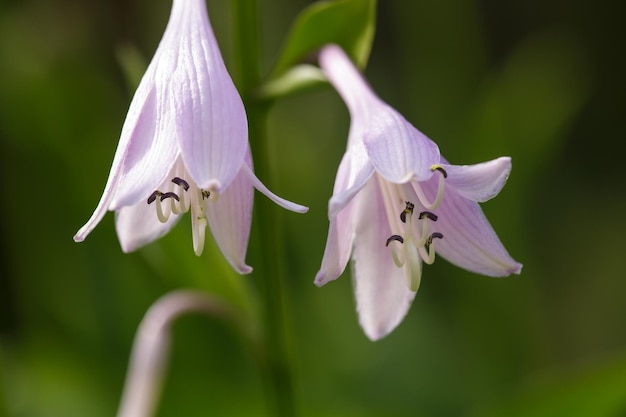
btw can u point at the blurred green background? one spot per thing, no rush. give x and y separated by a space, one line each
541 81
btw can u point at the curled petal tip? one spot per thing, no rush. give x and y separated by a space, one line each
299 208
321 279
78 237
244 269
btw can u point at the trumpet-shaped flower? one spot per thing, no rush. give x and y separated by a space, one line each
184 147
396 202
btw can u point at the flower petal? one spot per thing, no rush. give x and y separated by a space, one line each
262 188
348 81
382 295
399 151
151 153
136 138
230 219
138 226
338 247
211 121
354 171
479 182
469 241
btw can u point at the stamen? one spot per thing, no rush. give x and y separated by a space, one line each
198 232
397 238
428 250
181 183
154 196
162 215
440 188
429 215
170 195
407 210
436 167
429 241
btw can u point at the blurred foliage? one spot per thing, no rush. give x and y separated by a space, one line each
347 23
539 81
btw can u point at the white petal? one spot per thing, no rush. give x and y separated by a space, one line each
354 171
382 295
479 182
262 188
151 154
338 247
230 219
211 121
348 81
138 225
469 241
138 129
399 151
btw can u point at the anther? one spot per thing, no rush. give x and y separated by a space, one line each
435 235
205 194
154 196
407 210
394 237
181 183
436 167
170 195
429 215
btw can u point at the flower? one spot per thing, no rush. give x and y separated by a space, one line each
184 147
396 202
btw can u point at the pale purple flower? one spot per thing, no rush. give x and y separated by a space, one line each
184 147
396 202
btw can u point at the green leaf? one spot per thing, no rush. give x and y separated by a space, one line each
347 23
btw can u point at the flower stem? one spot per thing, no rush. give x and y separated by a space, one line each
275 363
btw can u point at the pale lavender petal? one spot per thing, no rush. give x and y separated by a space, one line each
136 137
211 121
230 219
262 188
382 295
479 182
151 153
138 226
399 151
469 241
348 82
354 171
338 247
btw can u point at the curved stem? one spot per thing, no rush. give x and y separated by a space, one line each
148 360
276 365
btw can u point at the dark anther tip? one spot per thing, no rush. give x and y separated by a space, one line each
436 235
168 195
443 171
407 210
153 197
181 183
430 215
206 194
394 237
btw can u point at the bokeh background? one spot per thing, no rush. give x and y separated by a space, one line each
541 81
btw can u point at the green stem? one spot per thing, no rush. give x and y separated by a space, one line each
276 362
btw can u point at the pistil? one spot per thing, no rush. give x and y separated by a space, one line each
414 244
177 202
